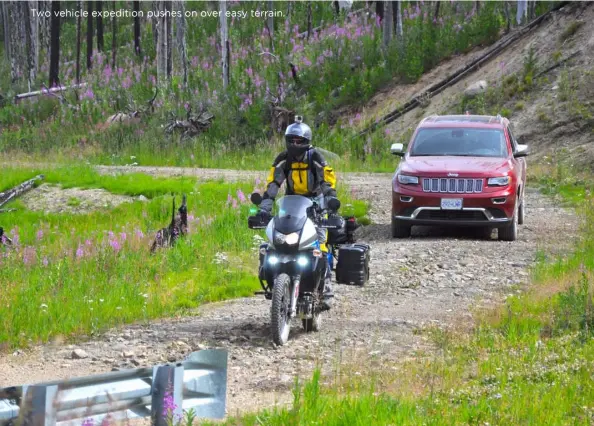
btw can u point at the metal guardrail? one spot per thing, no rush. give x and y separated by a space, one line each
198 383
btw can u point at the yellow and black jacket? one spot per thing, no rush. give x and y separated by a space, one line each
310 177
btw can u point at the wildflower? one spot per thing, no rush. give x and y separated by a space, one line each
127 83
234 203
39 235
87 422
241 196
169 403
79 252
89 94
139 234
115 245
45 261
123 236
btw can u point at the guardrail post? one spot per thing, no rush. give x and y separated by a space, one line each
167 394
39 405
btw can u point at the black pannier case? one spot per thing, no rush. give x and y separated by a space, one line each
353 264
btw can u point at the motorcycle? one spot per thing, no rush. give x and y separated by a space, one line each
292 268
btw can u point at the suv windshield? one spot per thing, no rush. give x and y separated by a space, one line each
467 142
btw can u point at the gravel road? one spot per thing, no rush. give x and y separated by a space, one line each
435 277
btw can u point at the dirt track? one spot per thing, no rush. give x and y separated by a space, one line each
433 278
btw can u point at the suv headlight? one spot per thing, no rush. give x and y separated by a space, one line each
408 180
290 239
499 181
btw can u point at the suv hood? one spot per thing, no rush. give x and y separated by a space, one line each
476 166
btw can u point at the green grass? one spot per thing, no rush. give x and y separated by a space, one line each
527 362
73 275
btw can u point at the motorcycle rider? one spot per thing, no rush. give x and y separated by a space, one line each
307 173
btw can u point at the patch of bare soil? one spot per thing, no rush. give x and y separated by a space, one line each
54 199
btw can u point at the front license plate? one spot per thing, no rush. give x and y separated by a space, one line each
451 203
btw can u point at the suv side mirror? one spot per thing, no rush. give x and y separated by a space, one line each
397 149
522 151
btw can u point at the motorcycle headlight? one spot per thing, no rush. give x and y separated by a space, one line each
499 181
408 180
290 239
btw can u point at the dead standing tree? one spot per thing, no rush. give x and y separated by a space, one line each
225 48
55 45
168 236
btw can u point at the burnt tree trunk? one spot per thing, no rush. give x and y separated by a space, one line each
137 28
169 40
224 42
436 15
29 47
379 9
54 69
309 20
89 34
181 41
398 13
100 44
161 31
114 46
387 23
78 40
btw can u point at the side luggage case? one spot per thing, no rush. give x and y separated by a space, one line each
353 264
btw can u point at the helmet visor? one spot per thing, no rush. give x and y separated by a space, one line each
297 140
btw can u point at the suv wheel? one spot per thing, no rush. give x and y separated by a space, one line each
521 212
400 229
510 232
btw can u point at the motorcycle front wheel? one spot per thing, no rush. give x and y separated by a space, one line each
279 311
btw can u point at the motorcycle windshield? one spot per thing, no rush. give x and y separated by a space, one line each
292 213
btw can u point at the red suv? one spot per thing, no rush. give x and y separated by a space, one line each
460 170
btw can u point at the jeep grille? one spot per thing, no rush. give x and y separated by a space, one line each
450 185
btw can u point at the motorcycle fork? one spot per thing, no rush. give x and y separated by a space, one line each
296 280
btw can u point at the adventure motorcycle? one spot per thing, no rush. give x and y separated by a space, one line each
292 267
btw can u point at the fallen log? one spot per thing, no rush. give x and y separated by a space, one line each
50 91
18 190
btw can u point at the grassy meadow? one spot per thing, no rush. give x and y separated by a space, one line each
76 274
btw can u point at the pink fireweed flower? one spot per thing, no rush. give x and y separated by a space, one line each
39 235
107 73
123 236
249 72
241 196
29 255
45 261
79 252
229 199
127 83
115 245
234 203
89 94
111 235
120 71
139 234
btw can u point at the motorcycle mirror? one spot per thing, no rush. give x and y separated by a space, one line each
334 204
256 198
